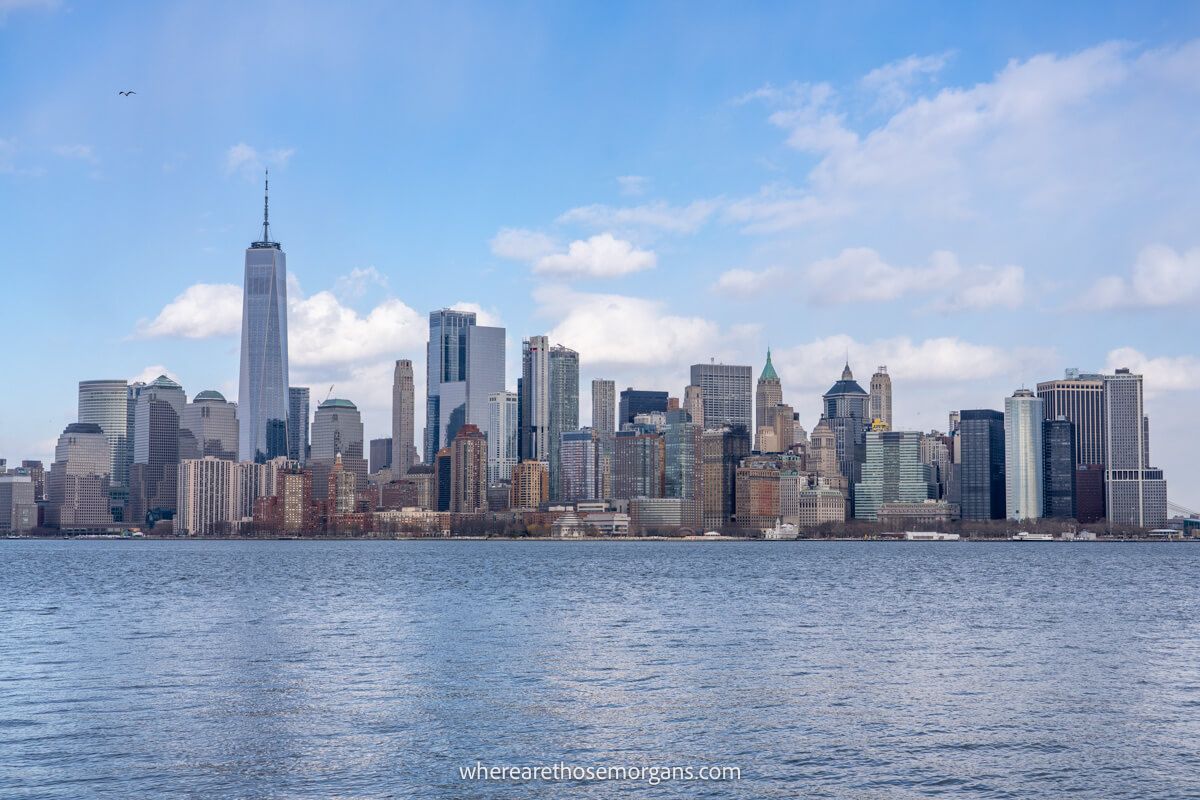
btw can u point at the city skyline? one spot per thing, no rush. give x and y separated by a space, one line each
710 264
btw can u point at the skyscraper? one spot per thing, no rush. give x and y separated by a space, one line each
604 402
726 394
18 506
722 452
1136 492
845 409
684 465
639 401
502 436
881 397
564 405
380 455
1078 398
213 423
1058 468
263 384
639 465
104 403
767 395
981 484
893 472
578 465
533 390
468 467
153 474
298 415
207 496
77 489
337 430
404 451
1023 456
465 367
693 403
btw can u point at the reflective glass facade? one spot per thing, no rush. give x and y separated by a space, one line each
263 383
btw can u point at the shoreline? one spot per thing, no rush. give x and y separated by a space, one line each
613 539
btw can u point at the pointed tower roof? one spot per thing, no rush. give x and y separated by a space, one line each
266 237
847 375
768 373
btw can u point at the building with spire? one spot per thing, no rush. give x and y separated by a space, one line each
846 411
768 394
263 382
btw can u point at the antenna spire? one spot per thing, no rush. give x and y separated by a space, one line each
266 206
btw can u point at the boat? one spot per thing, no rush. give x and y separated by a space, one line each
1026 536
930 536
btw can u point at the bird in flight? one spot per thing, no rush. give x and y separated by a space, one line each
126 94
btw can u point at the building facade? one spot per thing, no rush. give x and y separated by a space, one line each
768 394
77 488
880 397
1136 493
980 475
464 367
726 394
337 429
1023 456
207 499
502 436
213 424
640 401
299 413
1058 468
893 472
404 404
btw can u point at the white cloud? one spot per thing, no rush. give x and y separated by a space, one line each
201 311
518 244
658 215
354 285
747 282
324 333
83 152
248 161
893 83
633 184
1161 277
149 373
483 316
1160 373
601 256
859 274
623 331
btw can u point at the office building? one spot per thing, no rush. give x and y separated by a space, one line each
879 406
564 406
263 399
207 499
213 424
893 472
380 455
1078 398
845 409
639 401
981 480
725 393
18 506
579 462
337 429
768 394
693 403
683 441
604 407
530 488
105 403
1023 456
502 436
757 490
722 451
1135 492
639 465
404 405
153 475
298 417
465 366
77 488
1058 468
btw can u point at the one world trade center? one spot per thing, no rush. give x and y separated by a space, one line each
263 384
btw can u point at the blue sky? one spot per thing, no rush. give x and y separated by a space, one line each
977 195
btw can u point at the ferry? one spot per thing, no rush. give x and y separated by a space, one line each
1026 536
930 536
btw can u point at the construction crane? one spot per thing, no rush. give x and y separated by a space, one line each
328 394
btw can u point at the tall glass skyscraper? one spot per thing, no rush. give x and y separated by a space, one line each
1023 464
298 423
465 367
105 403
263 384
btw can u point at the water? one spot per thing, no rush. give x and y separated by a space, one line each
377 669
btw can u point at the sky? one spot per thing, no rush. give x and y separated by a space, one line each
978 196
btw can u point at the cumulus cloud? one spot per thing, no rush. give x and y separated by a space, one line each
747 282
1161 276
633 184
624 331
201 311
519 244
355 284
1160 373
323 332
483 316
249 161
151 372
893 83
600 256
658 215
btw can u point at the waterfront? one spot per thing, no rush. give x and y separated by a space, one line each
375 669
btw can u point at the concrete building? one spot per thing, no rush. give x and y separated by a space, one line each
726 395
213 423
77 487
639 465
907 516
768 394
468 465
530 488
722 451
1078 398
757 501
656 516
879 405
1023 456
404 404
893 472
1136 493
580 466
693 403
819 505
502 436
18 506
337 429
207 497
604 407
380 455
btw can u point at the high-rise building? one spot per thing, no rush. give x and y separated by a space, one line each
564 406
639 465
757 489
1023 456
880 398
37 473
783 423
533 401
1089 492
579 461
153 475
693 403
935 451
18 506
893 472
465 367
725 394
443 471
213 423
981 482
1136 493
341 486
639 401
77 487
105 403
845 409
768 394
684 465
502 436
381 455
298 416
530 486
337 429
722 452
1078 398
604 407
207 496
404 450
263 383
468 466
1058 468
